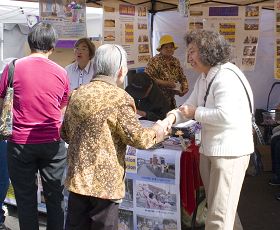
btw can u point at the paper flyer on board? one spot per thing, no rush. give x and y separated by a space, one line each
152 195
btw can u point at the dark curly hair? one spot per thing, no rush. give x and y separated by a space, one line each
213 48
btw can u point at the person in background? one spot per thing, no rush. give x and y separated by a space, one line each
98 124
150 102
4 181
222 108
167 72
81 71
41 91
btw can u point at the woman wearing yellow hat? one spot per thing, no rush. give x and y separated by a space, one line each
167 71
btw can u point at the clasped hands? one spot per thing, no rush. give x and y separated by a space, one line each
188 111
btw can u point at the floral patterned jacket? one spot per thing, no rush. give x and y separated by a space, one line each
99 122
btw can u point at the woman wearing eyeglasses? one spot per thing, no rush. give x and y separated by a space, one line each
81 71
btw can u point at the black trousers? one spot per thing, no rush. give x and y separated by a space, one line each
91 213
275 155
24 161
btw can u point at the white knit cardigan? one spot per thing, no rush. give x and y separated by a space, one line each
225 118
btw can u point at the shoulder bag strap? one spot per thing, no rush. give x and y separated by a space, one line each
11 73
208 89
259 134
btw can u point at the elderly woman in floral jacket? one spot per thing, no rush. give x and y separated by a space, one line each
100 121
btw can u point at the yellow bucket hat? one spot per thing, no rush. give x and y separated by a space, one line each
165 39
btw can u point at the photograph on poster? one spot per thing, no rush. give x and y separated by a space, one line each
109 9
252 11
162 166
143 48
156 196
127 10
278 51
278 28
249 51
196 13
248 61
142 26
250 39
109 35
143 58
109 23
131 151
127 202
143 38
155 223
278 62
195 25
125 220
142 11
278 41
277 17
251 24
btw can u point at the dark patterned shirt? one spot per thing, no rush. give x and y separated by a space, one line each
160 68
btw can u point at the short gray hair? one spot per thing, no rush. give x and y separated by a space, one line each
108 60
213 48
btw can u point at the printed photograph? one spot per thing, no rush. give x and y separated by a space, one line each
196 13
143 38
252 11
248 61
143 58
142 26
109 9
125 220
142 11
162 166
143 48
150 223
195 25
156 196
251 24
109 23
127 202
249 51
250 39
109 36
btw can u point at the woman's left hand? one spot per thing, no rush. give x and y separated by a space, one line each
188 111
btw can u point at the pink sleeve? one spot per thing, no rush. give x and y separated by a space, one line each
66 94
4 82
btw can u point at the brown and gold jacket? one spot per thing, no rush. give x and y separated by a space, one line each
99 123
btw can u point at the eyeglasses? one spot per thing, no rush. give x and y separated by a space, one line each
120 55
82 50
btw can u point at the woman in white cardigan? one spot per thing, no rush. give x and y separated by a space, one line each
225 117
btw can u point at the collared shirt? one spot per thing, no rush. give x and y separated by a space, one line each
79 77
99 122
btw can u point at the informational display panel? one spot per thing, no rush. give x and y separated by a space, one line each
152 196
67 16
277 40
238 24
127 25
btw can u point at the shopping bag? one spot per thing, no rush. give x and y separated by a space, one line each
6 118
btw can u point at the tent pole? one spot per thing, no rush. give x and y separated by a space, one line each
152 12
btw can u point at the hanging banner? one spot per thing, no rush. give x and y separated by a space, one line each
68 17
238 24
127 25
277 40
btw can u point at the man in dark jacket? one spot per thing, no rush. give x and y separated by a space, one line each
149 100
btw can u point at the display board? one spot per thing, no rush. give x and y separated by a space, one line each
277 40
127 25
238 24
67 16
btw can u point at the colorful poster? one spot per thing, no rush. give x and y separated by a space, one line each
238 24
67 16
277 40
127 25
152 199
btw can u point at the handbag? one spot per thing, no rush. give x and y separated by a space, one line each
6 119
